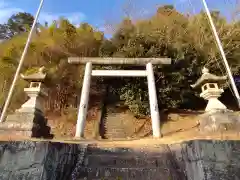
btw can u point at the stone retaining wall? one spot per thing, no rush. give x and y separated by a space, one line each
193 160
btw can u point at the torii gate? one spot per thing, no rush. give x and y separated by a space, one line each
148 62
79 132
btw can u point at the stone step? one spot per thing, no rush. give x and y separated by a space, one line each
114 126
116 135
125 173
112 151
126 161
143 151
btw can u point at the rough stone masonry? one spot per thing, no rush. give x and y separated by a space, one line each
192 160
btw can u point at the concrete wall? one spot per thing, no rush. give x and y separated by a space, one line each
193 160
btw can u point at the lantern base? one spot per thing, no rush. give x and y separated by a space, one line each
214 104
219 120
26 124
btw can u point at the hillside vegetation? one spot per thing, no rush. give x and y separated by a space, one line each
187 39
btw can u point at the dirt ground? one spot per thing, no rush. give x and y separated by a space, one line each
171 124
176 128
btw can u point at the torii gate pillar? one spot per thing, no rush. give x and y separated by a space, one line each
82 114
153 101
126 73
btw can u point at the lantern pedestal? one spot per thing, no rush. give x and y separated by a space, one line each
216 117
26 124
219 120
29 120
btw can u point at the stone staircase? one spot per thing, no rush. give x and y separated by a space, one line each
113 163
115 124
116 121
119 123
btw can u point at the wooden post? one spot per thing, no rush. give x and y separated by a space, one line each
82 114
153 101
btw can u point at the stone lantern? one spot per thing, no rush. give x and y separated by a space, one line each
211 91
36 92
29 120
216 116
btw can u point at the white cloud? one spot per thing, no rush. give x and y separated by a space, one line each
75 17
6 11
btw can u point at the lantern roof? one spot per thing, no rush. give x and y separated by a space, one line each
208 78
36 77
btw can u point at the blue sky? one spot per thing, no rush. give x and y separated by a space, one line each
104 13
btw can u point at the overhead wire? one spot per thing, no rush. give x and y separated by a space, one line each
7 102
215 58
219 44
